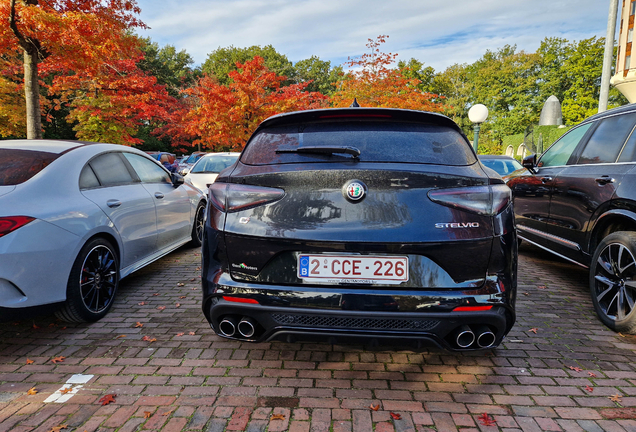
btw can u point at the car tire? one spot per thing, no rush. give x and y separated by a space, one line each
613 281
198 226
92 284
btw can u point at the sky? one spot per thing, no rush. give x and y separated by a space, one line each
439 33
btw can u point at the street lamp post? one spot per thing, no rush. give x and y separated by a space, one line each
477 114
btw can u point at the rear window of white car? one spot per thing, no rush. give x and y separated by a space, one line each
18 166
376 141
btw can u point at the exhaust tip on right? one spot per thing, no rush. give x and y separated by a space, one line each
246 327
485 337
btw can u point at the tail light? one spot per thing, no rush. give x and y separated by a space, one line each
12 223
229 197
472 308
485 200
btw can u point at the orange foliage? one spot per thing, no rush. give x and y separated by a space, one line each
223 118
87 58
375 83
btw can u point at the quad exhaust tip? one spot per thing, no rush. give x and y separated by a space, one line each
482 335
464 336
227 327
246 327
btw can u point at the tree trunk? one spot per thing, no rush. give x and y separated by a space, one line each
32 95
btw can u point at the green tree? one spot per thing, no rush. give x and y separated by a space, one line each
222 61
322 76
415 69
171 68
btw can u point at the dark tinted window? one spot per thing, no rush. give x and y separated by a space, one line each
111 170
628 153
88 179
607 140
377 142
502 166
18 166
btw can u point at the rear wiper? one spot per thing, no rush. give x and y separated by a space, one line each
322 150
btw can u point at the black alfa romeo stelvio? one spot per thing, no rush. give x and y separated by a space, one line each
363 225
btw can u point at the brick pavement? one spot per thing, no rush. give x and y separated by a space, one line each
560 378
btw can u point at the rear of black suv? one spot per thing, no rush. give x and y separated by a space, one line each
360 224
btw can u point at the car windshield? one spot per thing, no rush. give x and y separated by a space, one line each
193 158
502 166
213 164
18 166
373 141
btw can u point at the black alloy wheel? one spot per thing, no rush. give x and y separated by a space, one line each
92 283
613 281
198 225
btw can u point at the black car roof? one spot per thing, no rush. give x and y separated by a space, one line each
613 111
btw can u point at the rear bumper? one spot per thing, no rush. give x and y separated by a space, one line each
354 313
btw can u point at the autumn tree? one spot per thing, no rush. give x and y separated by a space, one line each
223 117
374 81
86 52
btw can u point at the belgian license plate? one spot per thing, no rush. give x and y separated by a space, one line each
362 269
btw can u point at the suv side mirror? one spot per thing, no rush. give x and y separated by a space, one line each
530 163
177 180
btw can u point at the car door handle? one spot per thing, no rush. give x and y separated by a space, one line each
158 195
113 203
603 180
545 180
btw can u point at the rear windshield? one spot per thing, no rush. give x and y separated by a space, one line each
377 142
18 166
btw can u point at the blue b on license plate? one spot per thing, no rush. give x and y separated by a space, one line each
363 269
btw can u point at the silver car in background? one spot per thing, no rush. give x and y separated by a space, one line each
77 217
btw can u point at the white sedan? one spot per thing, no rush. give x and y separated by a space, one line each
77 217
207 169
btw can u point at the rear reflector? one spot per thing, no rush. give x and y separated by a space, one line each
12 223
240 300
485 200
229 197
472 308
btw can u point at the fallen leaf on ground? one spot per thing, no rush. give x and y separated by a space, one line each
57 359
141 303
576 369
534 330
120 336
161 307
177 305
29 361
588 388
592 374
486 420
155 294
35 326
32 391
375 407
58 428
541 287
108 399
616 398
198 268
191 333
138 324
66 390
526 294
277 417
192 280
193 288
167 413
180 334
148 339
396 416
147 414
180 284
182 297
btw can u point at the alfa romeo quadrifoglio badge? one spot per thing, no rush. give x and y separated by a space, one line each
355 190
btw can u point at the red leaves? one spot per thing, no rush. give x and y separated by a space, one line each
592 374
395 416
107 399
57 359
575 369
533 330
374 407
148 339
588 388
486 420
29 361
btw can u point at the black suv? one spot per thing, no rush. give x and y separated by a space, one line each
360 223
579 202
